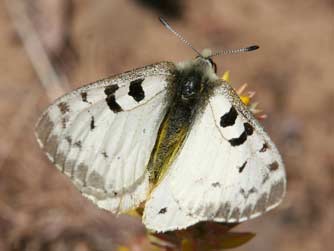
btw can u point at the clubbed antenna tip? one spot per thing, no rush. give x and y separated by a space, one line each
233 51
252 48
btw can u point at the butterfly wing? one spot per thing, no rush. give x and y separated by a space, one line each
228 170
102 135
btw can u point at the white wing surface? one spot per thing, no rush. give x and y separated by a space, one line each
228 170
102 135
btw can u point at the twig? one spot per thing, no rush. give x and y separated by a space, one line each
53 84
17 124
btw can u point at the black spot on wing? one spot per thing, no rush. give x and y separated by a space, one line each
273 166
63 107
68 139
111 89
228 119
264 147
163 210
242 167
92 123
136 89
84 97
64 122
216 184
248 130
113 105
111 100
248 193
78 144
238 141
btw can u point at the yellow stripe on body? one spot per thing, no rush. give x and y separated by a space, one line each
169 141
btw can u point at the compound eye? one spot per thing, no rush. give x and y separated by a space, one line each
188 89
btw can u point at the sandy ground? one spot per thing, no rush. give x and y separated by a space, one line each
292 74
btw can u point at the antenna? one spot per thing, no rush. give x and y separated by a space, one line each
232 51
164 22
228 51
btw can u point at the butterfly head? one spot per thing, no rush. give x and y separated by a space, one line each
205 57
194 76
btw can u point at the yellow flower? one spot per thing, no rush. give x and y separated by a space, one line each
246 97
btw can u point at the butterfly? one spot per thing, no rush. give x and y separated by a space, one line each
172 137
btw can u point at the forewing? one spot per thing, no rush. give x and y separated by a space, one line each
228 169
102 135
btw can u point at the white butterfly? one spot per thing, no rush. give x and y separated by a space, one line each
172 135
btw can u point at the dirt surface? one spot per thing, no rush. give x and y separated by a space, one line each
88 40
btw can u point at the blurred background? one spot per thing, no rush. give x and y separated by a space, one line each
49 47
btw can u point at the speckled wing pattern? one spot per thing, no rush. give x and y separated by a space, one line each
228 170
101 135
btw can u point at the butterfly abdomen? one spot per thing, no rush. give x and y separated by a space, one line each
188 93
171 135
